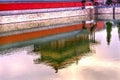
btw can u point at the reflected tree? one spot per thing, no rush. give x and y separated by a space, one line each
61 53
108 29
118 26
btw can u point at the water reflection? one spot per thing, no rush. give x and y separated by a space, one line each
109 29
58 54
118 26
63 52
92 33
66 57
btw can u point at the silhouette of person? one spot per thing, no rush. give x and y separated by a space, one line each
109 29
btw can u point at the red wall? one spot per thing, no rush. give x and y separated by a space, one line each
37 5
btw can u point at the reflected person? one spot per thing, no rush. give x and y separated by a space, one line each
108 29
118 26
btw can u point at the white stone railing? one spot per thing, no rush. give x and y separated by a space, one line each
107 10
43 23
4 19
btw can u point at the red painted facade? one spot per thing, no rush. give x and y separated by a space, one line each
37 5
38 34
100 25
43 33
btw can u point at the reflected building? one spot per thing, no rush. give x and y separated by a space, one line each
63 52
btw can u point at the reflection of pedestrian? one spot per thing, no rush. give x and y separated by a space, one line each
118 26
92 29
92 33
109 29
83 23
56 69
